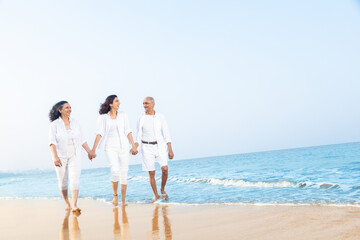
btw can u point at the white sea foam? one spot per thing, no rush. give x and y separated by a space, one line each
291 204
147 201
241 182
244 183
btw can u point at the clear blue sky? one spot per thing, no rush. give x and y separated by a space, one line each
230 76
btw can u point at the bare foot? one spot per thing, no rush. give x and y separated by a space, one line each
164 195
123 204
115 200
154 199
76 209
76 214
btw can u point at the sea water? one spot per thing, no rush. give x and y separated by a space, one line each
326 175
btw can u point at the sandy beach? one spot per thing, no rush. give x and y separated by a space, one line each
47 219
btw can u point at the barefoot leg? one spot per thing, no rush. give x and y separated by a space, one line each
66 199
164 177
115 196
153 184
123 194
74 198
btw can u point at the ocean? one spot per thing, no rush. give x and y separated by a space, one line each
321 175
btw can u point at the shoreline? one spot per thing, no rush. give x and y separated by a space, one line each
145 202
47 219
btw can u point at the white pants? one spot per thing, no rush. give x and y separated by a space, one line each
71 166
151 153
119 164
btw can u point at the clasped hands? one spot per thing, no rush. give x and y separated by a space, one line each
92 153
134 150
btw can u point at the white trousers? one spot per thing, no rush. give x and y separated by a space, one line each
119 164
71 167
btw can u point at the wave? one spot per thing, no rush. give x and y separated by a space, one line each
260 204
242 183
226 182
4 174
10 181
245 183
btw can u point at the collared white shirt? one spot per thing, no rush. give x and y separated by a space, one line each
123 128
161 129
59 136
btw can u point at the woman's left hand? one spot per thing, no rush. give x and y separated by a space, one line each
134 150
92 155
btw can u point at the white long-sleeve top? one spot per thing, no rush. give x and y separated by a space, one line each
123 127
161 129
59 137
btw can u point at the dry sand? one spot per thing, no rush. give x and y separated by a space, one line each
47 219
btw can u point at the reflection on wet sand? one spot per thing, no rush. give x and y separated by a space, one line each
122 232
64 232
161 229
155 224
75 229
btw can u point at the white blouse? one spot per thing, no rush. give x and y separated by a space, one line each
123 127
63 139
113 137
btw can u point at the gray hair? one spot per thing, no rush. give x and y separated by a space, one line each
151 99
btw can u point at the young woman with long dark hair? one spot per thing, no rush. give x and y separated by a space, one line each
114 136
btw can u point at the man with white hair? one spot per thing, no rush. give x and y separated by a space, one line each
154 137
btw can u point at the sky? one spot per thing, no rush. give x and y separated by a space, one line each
230 76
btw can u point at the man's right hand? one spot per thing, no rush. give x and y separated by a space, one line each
171 154
92 154
134 150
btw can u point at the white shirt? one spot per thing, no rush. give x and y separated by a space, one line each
161 130
113 137
63 139
123 127
71 150
71 137
148 129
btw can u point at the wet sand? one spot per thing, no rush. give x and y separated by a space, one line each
47 219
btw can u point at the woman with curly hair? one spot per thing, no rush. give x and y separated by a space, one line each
114 136
66 141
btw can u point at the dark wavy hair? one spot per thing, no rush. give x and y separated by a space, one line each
54 112
105 107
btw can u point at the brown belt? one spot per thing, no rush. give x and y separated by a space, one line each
149 142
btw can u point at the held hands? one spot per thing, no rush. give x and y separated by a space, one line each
134 150
57 162
91 155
